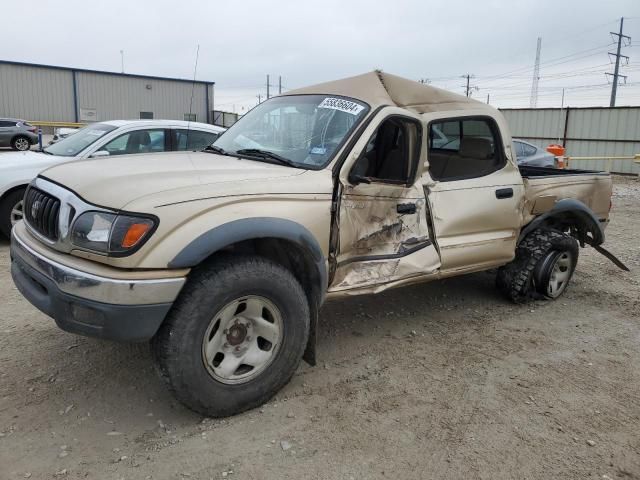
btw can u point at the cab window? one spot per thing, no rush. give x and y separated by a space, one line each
392 153
471 149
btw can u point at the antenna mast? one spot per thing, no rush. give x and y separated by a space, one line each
533 103
193 87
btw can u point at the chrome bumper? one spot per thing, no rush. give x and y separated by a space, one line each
97 288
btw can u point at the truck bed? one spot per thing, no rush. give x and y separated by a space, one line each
546 186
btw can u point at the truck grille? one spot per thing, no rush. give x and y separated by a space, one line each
41 211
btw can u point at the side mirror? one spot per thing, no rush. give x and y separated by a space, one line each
100 153
355 179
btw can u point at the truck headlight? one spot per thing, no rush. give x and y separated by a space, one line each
110 233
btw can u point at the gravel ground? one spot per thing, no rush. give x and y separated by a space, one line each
442 380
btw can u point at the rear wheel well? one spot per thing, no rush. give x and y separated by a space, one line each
573 223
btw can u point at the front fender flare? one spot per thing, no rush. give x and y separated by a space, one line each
248 229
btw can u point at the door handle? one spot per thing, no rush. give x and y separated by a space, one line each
504 193
404 208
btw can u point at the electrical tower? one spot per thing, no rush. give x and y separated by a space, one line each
616 73
468 88
533 102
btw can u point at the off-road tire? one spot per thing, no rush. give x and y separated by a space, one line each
177 346
18 143
520 280
6 206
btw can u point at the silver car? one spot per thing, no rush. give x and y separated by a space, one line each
532 156
17 134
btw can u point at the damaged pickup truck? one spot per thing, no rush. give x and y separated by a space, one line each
223 258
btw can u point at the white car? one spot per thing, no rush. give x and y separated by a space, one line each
117 137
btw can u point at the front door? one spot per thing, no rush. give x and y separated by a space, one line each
474 191
383 235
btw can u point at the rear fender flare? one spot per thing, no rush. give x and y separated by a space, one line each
572 212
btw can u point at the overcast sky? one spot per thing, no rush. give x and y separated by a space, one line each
308 42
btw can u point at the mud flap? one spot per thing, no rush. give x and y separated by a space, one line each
611 257
309 354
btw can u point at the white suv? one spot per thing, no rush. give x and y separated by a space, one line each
117 137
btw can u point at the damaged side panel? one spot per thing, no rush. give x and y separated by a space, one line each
384 237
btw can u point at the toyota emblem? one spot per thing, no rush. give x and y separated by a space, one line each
34 208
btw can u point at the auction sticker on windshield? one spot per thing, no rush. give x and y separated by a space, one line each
343 105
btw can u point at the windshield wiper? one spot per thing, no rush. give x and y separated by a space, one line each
44 150
215 149
266 154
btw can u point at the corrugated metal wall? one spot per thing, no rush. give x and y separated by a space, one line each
36 93
43 93
588 132
115 97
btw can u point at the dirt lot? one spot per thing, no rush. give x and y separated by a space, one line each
444 380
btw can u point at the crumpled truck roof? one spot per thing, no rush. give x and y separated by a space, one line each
379 88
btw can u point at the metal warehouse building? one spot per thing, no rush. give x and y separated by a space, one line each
45 93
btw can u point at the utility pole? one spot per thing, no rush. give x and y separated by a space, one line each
279 84
469 87
268 87
533 102
616 72
259 99
122 60
487 99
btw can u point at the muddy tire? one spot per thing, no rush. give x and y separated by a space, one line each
234 337
544 264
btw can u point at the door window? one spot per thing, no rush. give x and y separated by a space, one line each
472 149
138 141
392 153
193 139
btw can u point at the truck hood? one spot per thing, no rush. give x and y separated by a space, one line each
116 182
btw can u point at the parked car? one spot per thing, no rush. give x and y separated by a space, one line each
17 134
104 139
62 132
223 258
531 155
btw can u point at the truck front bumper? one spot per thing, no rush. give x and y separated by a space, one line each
88 304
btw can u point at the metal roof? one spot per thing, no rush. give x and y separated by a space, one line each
104 72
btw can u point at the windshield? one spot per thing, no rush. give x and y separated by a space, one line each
74 144
305 130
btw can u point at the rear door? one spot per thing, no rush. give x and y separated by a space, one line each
474 191
382 232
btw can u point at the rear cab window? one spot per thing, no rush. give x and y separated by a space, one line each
471 148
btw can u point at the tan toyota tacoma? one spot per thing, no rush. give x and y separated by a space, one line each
222 258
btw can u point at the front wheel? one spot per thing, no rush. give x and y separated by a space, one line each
11 210
21 144
234 337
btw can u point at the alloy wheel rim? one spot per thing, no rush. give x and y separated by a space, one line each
16 213
22 144
242 339
560 274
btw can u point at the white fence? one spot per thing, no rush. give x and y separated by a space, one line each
584 132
